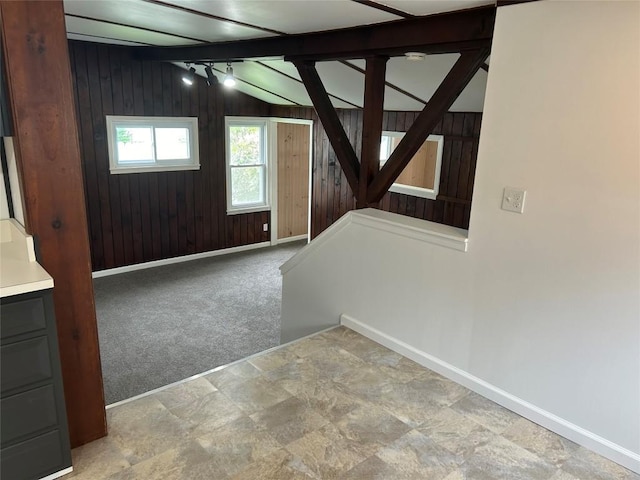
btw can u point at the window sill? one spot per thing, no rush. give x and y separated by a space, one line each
414 191
258 208
173 168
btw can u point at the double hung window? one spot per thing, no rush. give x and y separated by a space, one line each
246 142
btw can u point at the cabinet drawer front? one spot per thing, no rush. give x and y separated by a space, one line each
28 412
22 317
35 458
24 363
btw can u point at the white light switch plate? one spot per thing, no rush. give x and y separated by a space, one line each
513 199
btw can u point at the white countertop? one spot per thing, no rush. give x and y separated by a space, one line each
19 271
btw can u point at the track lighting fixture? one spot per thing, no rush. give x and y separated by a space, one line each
229 79
211 78
189 76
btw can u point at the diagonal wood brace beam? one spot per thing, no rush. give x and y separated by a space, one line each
456 80
374 85
331 123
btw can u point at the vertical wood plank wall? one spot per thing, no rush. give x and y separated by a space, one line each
141 217
137 218
332 197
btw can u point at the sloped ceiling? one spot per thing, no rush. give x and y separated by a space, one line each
191 22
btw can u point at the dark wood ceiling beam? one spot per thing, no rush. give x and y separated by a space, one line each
331 123
393 51
442 33
456 80
374 85
385 8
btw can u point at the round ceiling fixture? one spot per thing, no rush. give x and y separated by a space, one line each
415 56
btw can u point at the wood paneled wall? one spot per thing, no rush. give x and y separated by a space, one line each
332 197
141 217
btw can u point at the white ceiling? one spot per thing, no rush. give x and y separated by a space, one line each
190 22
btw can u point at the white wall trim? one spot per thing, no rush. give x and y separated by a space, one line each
184 258
295 238
415 228
273 181
542 417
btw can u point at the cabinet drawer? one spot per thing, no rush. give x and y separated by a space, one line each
22 317
35 458
27 413
24 363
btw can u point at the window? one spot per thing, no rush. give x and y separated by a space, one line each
421 177
246 165
156 144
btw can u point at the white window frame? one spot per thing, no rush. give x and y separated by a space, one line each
430 193
264 123
190 123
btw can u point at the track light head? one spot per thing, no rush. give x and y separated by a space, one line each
211 78
229 79
189 77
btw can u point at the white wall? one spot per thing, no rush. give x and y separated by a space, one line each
4 203
14 184
560 283
544 306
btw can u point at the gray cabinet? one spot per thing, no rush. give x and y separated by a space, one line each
34 436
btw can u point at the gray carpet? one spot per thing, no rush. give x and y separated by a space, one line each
164 324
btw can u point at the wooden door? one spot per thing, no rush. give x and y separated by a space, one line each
293 179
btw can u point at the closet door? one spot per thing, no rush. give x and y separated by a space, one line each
293 179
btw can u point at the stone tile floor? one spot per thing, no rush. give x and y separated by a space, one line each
332 406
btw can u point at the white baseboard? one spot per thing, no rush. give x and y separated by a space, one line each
293 239
581 436
184 258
